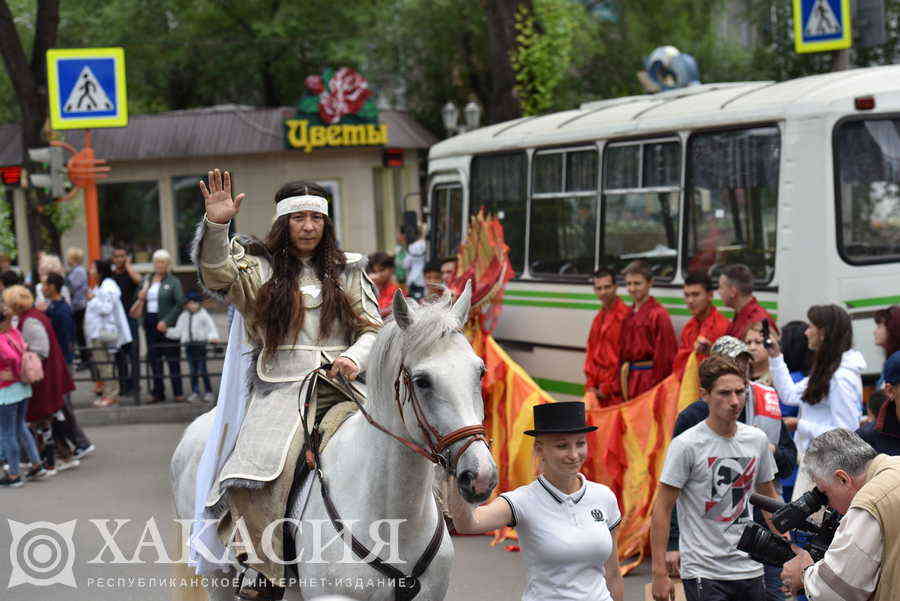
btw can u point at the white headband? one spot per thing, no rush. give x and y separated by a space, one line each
307 202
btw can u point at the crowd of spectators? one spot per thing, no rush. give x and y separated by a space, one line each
55 322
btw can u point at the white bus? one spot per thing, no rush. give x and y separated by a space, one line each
799 180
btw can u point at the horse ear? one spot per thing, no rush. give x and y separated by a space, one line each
463 304
402 314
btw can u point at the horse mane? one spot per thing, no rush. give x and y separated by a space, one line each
431 323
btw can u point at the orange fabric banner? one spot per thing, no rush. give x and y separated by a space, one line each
626 452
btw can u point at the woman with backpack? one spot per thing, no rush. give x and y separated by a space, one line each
14 395
47 394
106 328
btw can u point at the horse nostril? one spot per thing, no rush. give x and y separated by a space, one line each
466 479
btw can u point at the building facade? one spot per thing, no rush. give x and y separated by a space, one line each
151 198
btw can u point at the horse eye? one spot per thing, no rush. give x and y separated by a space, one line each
482 372
422 382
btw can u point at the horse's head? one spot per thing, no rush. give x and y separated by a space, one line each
435 376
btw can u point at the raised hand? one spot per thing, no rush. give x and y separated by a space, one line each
220 207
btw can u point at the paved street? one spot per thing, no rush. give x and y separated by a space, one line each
127 478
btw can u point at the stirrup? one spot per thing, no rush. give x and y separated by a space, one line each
259 588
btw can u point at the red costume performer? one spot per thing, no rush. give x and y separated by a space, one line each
648 348
751 313
711 328
601 361
386 297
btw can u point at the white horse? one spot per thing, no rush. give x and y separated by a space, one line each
370 475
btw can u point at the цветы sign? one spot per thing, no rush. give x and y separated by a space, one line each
337 110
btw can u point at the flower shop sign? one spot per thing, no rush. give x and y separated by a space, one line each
337 110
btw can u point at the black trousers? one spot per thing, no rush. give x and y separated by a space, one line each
158 348
196 355
127 359
85 354
706 589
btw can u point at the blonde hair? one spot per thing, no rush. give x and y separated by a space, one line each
50 264
18 298
75 255
162 255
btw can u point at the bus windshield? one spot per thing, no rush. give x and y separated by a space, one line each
867 158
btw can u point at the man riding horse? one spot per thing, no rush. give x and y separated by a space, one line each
305 304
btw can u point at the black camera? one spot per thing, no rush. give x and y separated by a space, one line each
766 547
767 340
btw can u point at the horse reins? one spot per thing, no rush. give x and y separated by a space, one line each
407 587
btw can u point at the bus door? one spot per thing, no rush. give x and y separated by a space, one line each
447 219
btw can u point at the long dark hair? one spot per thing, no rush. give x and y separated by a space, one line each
795 346
104 270
280 304
837 338
890 317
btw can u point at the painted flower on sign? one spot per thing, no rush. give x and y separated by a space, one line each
346 94
337 97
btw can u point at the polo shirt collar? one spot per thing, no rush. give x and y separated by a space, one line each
560 496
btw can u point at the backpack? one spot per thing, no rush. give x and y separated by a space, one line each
32 371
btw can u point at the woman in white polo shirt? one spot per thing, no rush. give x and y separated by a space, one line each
564 521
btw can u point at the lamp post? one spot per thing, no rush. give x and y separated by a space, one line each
471 114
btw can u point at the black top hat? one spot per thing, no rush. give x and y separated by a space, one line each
559 418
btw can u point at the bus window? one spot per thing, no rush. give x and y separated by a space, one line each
868 197
563 213
641 192
498 185
732 200
447 219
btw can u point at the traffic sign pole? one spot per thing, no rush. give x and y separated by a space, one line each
91 210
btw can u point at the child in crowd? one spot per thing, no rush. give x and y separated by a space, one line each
433 275
195 329
381 272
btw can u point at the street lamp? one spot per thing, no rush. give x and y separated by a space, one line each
450 115
471 114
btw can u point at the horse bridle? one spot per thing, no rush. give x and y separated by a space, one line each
437 444
407 587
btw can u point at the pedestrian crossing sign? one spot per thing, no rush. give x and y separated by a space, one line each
821 25
87 88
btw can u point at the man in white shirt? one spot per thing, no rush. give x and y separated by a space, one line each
861 563
710 471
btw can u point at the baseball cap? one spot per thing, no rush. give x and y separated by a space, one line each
891 371
194 296
731 347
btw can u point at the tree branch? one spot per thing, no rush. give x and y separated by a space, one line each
44 36
14 57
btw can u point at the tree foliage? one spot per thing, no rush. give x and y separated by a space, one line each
543 58
418 54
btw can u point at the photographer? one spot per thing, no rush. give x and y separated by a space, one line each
863 561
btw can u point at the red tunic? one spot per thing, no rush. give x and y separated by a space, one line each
47 395
711 328
648 336
601 361
750 314
386 297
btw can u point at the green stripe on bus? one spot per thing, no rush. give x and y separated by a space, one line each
540 294
666 300
551 304
583 306
873 302
596 306
561 387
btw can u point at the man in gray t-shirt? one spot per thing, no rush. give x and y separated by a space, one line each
711 470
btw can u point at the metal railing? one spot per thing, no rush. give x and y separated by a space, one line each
86 354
